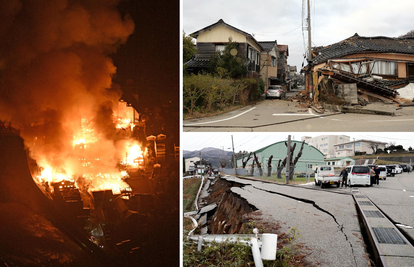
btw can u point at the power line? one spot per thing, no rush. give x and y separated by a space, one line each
277 34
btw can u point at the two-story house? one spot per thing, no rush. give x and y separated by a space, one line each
282 66
268 62
214 38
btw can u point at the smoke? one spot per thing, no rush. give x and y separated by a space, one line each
55 71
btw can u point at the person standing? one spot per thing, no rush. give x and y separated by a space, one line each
377 172
344 175
372 175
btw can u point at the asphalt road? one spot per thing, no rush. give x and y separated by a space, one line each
326 221
283 116
395 198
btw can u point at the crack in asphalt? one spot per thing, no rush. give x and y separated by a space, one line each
263 125
341 227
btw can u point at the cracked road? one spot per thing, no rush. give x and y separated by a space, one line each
284 116
327 221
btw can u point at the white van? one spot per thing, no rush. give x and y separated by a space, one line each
358 175
383 172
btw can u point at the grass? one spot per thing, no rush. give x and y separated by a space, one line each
190 189
273 178
234 254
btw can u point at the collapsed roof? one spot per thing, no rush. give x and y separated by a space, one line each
357 44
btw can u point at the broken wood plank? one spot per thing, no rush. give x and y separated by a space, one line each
317 110
409 104
385 99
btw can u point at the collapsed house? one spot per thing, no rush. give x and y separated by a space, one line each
359 70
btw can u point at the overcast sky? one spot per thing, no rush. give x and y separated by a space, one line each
255 141
281 20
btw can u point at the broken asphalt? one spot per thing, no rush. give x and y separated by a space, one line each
327 222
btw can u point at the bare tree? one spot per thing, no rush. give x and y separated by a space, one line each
258 164
269 166
282 164
374 146
244 162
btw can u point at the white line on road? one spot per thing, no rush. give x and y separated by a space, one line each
295 114
220 120
286 114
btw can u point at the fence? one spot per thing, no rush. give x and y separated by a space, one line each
264 174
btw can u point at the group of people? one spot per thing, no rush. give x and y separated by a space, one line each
374 173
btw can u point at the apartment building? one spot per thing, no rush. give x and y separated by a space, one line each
326 143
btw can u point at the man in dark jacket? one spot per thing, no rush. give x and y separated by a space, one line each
377 172
344 175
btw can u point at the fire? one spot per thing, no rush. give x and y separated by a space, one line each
134 156
87 163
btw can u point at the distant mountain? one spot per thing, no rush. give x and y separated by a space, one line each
214 155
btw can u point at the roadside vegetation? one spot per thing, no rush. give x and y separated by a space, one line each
225 86
237 254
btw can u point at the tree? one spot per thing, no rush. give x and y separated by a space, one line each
282 164
258 164
194 87
269 166
230 60
244 161
374 146
188 48
408 34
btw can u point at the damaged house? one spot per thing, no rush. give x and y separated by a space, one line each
359 70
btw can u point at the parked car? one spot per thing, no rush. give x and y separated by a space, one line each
390 170
404 167
275 91
383 172
398 169
358 175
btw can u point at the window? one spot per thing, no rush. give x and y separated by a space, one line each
333 163
348 146
410 70
357 144
341 147
220 48
385 68
273 62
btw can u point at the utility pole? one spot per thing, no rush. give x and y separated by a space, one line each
234 157
309 34
288 161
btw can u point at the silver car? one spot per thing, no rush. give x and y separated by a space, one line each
275 91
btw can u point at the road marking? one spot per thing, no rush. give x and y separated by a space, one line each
220 120
295 114
405 226
390 120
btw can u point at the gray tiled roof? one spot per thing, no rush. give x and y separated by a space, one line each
198 63
357 44
268 45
